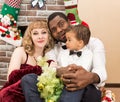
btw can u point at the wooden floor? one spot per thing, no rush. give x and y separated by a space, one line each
116 91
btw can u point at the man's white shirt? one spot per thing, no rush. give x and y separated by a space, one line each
98 58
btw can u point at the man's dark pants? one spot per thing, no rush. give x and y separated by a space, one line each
28 84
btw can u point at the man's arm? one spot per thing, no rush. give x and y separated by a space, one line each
95 78
78 78
99 60
81 78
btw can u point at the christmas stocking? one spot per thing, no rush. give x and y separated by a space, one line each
72 12
8 22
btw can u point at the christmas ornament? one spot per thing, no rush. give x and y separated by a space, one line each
8 22
40 3
72 12
108 96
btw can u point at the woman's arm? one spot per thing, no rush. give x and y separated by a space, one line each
16 60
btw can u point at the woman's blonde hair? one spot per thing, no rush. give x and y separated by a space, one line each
27 42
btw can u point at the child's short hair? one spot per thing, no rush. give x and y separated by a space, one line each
82 32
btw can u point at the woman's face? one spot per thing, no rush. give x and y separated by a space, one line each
39 37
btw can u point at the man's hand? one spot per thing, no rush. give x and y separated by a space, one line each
78 78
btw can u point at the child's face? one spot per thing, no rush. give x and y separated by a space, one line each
39 37
72 43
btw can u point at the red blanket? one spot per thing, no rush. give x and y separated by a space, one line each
12 92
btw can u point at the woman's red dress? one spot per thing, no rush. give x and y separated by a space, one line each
11 91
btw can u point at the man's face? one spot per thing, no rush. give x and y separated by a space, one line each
58 27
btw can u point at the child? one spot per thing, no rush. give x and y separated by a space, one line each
76 53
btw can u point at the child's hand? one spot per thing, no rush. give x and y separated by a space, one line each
53 64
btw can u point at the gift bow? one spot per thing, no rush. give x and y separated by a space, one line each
40 3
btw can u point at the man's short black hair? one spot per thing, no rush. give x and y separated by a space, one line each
53 15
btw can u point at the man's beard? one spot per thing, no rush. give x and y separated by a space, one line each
61 37
62 40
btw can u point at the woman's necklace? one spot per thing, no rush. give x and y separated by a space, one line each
35 59
35 56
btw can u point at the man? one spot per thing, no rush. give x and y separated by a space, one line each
74 77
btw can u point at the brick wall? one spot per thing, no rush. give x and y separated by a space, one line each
27 14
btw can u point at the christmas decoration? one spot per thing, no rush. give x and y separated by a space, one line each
8 22
108 96
72 12
40 3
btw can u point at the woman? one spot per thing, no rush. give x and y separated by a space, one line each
36 42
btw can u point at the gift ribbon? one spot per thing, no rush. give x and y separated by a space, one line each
39 2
